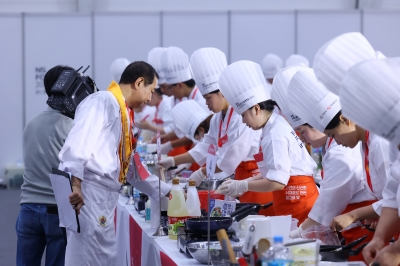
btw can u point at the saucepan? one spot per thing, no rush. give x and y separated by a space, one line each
216 223
258 206
341 253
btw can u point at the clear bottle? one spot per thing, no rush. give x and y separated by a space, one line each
177 213
192 200
147 211
278 254
136 196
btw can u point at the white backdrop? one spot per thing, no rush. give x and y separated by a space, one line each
33 43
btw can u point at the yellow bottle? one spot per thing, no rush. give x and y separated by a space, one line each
177 213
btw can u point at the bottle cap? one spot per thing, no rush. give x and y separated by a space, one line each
175 181
192 183
278 239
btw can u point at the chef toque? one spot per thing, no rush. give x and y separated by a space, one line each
296 60
337 56
243 85
207 65
370 96
175 65
309 99
117 68
379 55
154 59
279 94
187 116
270 65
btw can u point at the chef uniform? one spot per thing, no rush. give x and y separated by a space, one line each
296 60
283 158
117 68
270 65
343 187
235 142
91 153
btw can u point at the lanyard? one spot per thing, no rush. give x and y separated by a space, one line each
329 144
132 123
156 120
227 125
366 161
195 91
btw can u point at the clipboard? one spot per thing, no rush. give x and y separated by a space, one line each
67 175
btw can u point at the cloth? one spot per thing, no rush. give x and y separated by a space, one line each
297 198
96 243
357 232
342 183
241 144
36 230
43 139
162 116
249 169
284 155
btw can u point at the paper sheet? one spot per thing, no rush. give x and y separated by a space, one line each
62 190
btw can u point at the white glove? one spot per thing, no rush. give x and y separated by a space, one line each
166 147
296 233
197 176
167 162
234 188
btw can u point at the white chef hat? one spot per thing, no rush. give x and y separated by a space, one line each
311 100
154 59
175 64
207 65
279 94
243 85
338 55
370 96
117 68
379 55
187 116
296 60
270 65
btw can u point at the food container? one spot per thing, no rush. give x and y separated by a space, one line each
203 197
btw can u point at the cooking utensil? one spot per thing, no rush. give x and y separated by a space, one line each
262 246
199 251
219 257
224 240
329 248
216 223
342 255
258 206
248 240
212 184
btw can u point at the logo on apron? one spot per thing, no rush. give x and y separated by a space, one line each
102 221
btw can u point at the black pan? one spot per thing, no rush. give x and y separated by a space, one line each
342 255
331 248
216 223
258 206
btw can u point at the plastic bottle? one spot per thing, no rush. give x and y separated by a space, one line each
147 211
177 213
278 254
192 200
136 196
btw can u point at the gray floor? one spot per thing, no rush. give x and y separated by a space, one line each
9 209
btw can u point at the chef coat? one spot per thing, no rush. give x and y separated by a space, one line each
284 155
342 184
378 167
391 192
162 115
241 145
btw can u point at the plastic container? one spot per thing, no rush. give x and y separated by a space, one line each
192 200
147 211
177 212
203 197
278 254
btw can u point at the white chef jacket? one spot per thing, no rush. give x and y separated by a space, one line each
391 192
242 142
147 113
342 184
284 153
163 112
378 167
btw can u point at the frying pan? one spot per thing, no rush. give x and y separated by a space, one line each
258 206
330 248
342 255
216 223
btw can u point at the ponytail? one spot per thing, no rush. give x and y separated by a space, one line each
268 105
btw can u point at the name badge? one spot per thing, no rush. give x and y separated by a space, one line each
259 157
141 170
222 141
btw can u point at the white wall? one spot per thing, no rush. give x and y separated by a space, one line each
32 43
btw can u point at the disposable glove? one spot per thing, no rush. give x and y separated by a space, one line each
197 176
167 162
166 147
234 188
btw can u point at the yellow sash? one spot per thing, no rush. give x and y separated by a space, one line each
125 145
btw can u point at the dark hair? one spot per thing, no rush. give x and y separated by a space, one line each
205 125
158 91
268 105
306 124
51 77
216 91
136 70
335 121
190 83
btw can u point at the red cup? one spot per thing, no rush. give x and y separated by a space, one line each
203 197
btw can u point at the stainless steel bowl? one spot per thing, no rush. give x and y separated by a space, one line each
199 251
212 184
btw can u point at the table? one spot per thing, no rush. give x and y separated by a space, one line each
136 244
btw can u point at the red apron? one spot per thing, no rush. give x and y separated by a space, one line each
249 169
297 198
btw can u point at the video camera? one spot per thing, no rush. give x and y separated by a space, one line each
70 89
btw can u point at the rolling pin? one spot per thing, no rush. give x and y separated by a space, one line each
221 234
